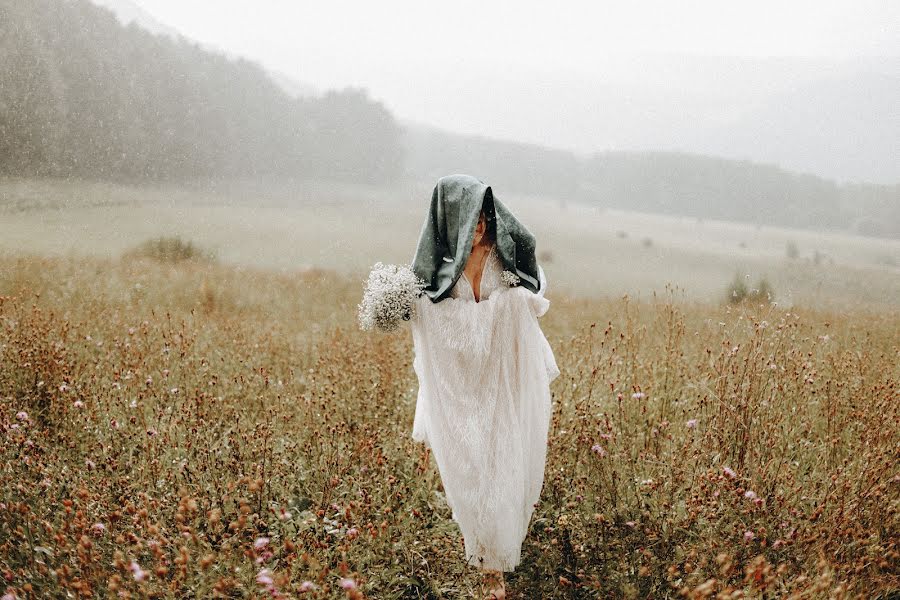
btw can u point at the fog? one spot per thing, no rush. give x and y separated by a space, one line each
643 145
810 86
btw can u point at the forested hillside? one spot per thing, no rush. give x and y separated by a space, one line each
716 188
82 95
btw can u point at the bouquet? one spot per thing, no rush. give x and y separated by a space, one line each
389 297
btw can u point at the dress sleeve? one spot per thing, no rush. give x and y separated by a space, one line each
536 301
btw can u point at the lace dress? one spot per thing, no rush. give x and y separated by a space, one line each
483 406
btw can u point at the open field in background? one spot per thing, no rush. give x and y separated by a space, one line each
199 430
591 252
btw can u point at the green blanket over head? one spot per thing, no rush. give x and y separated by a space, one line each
446 239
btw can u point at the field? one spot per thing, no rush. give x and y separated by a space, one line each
222 428
586 252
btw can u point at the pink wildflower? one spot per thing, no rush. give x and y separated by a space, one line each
748 535
137 571
307 586
264 577
729 472
260 543
78 404
750 495
348 584
691 424
598 450
22 415
638 395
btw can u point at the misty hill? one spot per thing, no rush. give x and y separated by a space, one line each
846 125
717 188
659 182
84 95
506 165
835 118
128 12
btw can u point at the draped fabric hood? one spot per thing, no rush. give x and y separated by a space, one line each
445 242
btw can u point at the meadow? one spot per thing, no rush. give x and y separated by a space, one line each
222 428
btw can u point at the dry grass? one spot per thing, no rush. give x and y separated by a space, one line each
197 430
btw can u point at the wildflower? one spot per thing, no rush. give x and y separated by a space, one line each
264 577
353 533
646 482
598 450
729 472
78 404
90 464
748 535
284 514
173 391
348 584
63 388
691 424
22 415
307 586
138 573
638 395
750 495
99 528
260 543
9 596
389 297
606 436
630 523
509 278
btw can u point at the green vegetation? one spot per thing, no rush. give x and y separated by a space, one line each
739 291
170 249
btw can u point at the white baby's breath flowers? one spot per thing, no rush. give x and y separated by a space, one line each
389 297
509 278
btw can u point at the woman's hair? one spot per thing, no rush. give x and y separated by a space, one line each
487 209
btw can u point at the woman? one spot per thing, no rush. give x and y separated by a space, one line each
484 368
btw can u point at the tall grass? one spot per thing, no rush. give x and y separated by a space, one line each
194 430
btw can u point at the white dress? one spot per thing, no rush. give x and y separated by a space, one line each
483 406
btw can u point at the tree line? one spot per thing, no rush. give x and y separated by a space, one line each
82 95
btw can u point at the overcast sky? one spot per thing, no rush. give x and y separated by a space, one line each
544 72
340 42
